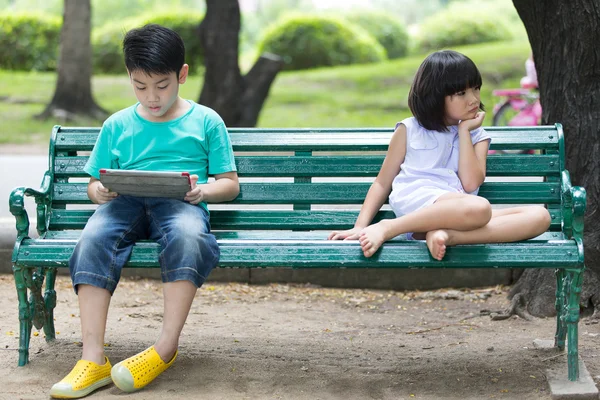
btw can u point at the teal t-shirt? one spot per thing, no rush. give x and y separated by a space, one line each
197 142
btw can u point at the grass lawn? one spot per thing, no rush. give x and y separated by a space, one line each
360 95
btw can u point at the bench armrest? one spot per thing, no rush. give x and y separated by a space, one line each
574 203
43 198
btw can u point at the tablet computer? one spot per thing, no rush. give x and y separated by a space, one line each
146 183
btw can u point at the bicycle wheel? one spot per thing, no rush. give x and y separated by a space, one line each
505 114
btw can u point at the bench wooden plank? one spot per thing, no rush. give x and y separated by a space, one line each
341 166
308 139
342 193
260 220
247 253
69 235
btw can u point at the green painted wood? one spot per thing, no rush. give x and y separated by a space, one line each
290 235
331 254
264 139
342 166
300 179
260 220
70 166
523 165
342 193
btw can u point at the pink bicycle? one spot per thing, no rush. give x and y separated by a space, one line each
518 107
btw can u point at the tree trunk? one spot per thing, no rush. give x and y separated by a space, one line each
73 93
564 37
238 99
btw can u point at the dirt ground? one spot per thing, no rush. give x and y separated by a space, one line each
305 342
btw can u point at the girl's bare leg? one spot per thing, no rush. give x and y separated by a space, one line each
451 211
506 225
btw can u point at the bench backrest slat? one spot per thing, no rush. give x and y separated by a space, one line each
347 193
373 139
235 219
341 166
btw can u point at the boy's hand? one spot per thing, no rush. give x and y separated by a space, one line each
103 194
350 234
471 124
195 195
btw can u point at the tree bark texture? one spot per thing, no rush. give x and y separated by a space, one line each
73 93
564 37
238 99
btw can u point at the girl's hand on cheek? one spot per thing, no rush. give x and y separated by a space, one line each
474 123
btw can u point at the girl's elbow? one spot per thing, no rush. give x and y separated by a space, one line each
472 186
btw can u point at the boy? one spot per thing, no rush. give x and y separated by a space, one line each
162 132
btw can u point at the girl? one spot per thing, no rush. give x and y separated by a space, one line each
434 166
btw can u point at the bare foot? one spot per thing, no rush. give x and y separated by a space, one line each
436 242
371 238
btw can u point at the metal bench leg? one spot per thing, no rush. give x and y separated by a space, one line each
561 324
25 317
50 304
572 286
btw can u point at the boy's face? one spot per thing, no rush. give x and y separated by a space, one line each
158 94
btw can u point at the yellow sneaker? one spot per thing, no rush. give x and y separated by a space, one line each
136 372
84 378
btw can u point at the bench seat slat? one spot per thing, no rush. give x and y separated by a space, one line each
341 166
324 254
70 235
272 219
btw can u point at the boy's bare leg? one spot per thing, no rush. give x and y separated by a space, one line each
93 310
452 210
178 298
507 225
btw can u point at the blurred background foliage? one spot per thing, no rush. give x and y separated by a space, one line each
359 56
107 41
309 41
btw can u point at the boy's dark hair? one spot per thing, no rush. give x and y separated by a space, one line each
441 74
153 49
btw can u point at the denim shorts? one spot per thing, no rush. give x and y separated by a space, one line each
188 250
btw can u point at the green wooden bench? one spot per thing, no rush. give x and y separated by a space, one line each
297 185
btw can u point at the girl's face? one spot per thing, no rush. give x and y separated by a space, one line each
462 105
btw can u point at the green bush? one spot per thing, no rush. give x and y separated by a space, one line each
29 42
456 27
390 33
107 41
309 41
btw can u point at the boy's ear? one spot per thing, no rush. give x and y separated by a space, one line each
183 74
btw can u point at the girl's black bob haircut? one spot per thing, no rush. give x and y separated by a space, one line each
441 74
154 50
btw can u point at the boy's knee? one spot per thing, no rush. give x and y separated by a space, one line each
190 225
193 248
